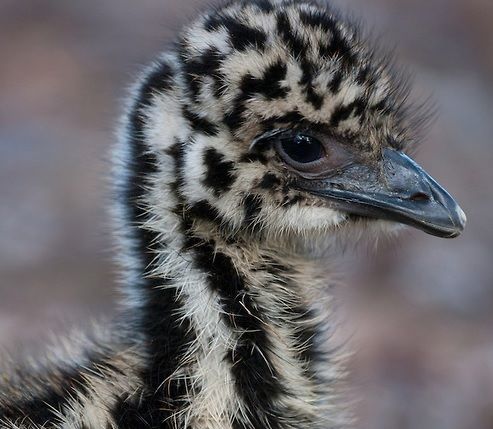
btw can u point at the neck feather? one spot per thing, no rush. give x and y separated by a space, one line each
232 336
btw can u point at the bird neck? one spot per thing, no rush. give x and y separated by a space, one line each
241 332
229 328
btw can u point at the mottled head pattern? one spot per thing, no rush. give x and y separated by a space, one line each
210 208
252 67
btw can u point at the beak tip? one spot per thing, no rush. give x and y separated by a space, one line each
462 220
459 222
462 217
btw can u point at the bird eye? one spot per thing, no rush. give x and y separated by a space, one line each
304 154
301 148
308 156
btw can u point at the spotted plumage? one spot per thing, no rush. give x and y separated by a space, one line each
248 149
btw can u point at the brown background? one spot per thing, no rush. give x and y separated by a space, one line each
421 307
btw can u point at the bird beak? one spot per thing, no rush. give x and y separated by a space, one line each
395 188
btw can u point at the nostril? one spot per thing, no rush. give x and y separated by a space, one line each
419 196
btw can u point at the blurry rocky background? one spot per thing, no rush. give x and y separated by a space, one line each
421 308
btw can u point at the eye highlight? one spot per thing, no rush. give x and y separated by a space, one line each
302 148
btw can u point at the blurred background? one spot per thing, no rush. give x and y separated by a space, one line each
421 307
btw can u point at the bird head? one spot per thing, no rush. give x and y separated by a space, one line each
290 121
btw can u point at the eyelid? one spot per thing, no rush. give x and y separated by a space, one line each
265 136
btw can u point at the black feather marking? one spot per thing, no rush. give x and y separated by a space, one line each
316 100
295 44
206 64
253 206
263 5
357 107
200 124
212 22
341 113
293 117
381 106
169 335
130 415
141 413
256 381
42 410
360 106
39 411
269 181
234 118
363 75
300 319
320 19
269 84
305 336
205 211
160 79
241 36
335 83
339 45
311 96
219 175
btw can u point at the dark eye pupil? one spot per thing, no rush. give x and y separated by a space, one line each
302 148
